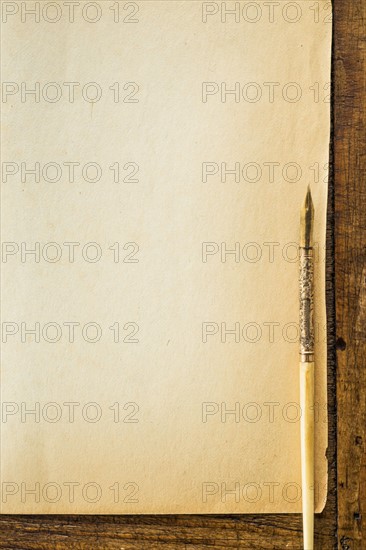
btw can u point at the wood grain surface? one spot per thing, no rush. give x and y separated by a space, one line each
340 525
350 268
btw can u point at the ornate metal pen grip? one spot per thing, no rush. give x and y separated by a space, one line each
306 305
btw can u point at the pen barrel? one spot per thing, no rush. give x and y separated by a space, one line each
307 392
307 451
306 286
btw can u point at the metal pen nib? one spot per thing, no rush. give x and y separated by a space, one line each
307 222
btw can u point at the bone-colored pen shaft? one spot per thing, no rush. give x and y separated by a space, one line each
307 451
307 369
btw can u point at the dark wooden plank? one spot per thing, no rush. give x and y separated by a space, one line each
149 532
350 241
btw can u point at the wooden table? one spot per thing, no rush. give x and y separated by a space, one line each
340 525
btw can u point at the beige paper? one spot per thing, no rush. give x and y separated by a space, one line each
150 340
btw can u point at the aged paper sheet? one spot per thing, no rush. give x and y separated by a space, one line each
155 158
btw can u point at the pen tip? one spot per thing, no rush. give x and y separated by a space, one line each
307 221
308 204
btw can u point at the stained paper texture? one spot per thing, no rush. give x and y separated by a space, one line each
155 158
